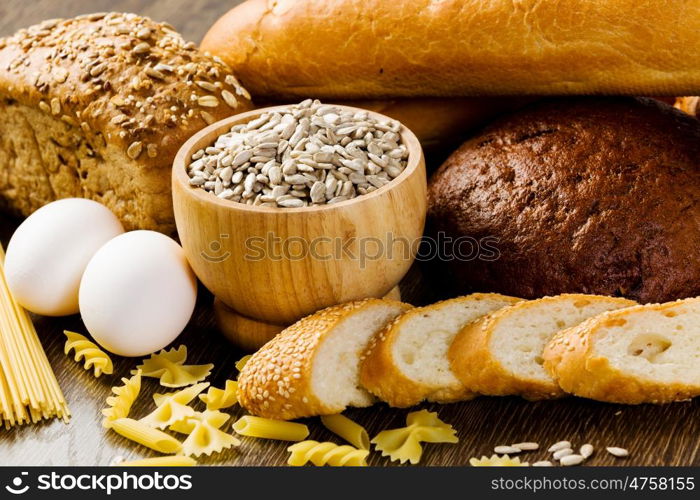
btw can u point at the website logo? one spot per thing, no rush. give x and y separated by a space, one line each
16 488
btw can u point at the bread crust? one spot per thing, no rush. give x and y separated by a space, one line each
474 363
570 358
277 380
381 376
575 195
349 49
97 107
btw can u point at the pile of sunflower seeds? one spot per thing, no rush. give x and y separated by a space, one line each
308 154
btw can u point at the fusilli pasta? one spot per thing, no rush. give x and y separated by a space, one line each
217 399
169 367
326 453
404 444
120 404
93 356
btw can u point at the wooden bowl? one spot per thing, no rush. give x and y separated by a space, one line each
276 265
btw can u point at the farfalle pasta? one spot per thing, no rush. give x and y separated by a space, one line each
138 432
242 362
169 366
204 433
350 431
89 352
174 461
326 453
173 407
404 444
497 461
217 399
266 428
120 404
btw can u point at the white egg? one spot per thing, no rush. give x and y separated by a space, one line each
49 251
138 293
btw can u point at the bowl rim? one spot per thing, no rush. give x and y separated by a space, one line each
179 169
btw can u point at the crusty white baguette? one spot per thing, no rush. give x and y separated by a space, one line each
407 361
359 49
642 354
311 368
501 354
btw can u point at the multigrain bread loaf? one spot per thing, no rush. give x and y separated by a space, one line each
501 353
590 195
643 354
311 368
97 107
350 49
407 361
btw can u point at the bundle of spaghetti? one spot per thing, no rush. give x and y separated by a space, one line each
29 391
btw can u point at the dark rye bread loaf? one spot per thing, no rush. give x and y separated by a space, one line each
97 106
587 195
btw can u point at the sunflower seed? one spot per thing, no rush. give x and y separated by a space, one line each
564 452
572 460
313 153
559 446
528 446
586 450
290 203
617 452
506 450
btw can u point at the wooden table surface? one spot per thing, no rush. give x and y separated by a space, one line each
655 435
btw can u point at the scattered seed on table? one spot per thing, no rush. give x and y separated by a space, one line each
528 446
618 452
586 450
559 446
506 450
571 460
542 463
564 452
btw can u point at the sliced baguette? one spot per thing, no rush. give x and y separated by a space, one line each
642 354
311 368
501 354
407 361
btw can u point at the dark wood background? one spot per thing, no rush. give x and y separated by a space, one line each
655 435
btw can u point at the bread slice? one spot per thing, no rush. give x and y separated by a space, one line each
501 354
311 368
643 354
407 361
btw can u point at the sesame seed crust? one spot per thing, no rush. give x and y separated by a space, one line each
276 381
571 358
123 83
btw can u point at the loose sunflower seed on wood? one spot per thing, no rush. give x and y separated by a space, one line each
306 154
